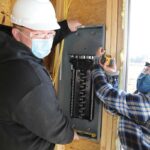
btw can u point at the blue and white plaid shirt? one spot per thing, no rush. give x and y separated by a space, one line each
134 111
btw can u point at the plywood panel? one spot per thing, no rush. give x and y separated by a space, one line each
88 11
113 44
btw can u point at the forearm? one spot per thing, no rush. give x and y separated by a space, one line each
123 103
39 112
62 32
102 87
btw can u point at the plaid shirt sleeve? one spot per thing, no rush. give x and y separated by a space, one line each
132 106
113 80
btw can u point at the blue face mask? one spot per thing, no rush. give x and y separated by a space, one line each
41 47
143 83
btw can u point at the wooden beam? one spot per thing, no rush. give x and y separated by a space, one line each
109 127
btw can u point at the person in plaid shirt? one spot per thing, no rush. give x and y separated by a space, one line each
133 109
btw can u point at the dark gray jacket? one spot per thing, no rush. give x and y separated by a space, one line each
30 117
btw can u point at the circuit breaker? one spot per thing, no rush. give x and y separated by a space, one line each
76 90
82 93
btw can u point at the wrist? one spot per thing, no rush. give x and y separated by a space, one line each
112 73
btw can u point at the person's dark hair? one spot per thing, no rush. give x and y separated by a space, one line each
147 64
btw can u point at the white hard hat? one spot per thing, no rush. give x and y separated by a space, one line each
34 14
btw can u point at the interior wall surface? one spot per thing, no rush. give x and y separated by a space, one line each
88 12
106 12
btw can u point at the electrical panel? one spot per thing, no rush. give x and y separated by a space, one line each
76 90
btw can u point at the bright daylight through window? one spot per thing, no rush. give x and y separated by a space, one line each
139 40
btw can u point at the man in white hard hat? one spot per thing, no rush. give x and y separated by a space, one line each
66 27
30 117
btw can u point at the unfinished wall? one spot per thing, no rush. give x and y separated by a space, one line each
88 11
106 12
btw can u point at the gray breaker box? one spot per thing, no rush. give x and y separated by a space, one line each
81 46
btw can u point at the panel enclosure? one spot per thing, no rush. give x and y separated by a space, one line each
76 92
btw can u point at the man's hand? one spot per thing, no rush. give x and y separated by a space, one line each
73 25
110 69
76 137
101 51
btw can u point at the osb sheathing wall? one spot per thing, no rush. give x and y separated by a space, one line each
86 11
89 11
106 12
